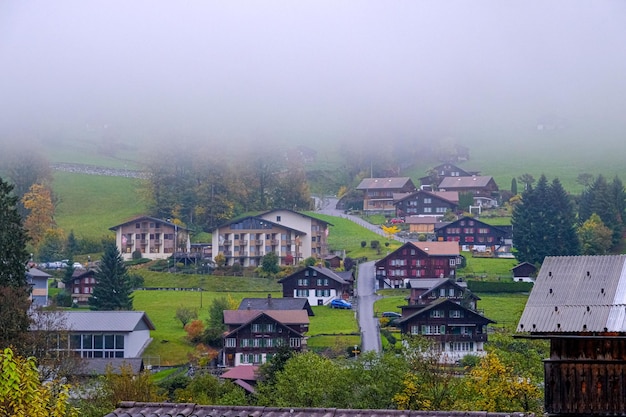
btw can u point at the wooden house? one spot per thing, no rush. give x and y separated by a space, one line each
472 234
426 203
82 285
417 260
524 272
441 171
378 193
318 285
423 225
455 329
253 336
478 186
578 303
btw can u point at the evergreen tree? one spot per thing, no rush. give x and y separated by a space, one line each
514 186
544 223
14 288
113 288
607 201
71 246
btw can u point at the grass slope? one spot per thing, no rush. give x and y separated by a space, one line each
90 204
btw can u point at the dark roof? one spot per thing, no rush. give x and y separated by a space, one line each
270 303
437 303
574 294
137 409
523 264
244 372
327 272
296 212
240 219
448 196
501 229
154 219
37 273
287 317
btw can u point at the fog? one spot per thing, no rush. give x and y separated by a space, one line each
307 71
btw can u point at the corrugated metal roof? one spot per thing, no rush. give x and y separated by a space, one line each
105 321
577 294
465 182
438 248
383 183
136 409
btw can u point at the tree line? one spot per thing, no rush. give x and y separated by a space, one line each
547 221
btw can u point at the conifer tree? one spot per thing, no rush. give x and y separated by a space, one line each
113 288
14 288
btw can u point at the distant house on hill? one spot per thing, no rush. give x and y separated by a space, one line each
478 186
378 193
273 303
38 280
318 285
426 203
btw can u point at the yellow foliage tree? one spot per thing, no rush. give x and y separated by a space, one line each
390 231
493 387
22 394
38 202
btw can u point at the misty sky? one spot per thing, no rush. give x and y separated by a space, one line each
310 69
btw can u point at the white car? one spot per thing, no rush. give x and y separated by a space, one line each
77 265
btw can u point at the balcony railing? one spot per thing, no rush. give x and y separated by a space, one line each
274 241
243 242
228 242
258 242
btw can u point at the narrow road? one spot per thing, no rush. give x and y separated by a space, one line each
370 332
368 324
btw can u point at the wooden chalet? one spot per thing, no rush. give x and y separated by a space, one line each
426 203
578 303
417 260
272 303
524 272
444 170
82 285
378 193
472 235
478 186
423 225
427 290
456 330
318 285
253 336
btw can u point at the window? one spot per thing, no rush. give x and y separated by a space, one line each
415 329
452 261
231 342
483 230
469 239
302 293
436 314
257 328
428 209
451 292
433 329
456 314
303 282
277 218
441 209
306 273
322 293
294 342
428 200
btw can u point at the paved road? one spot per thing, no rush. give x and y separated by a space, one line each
366 293
370 333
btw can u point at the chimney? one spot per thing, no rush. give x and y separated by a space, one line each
248 304
269 299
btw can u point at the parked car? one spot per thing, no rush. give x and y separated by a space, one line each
391 315
77 265
339 303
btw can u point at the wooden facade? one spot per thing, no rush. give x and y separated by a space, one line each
472 233
378 193
319 285
426 203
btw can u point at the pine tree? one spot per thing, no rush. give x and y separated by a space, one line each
14 288
113 288
544 223
607 201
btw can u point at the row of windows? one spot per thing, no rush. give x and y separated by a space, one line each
98 345
436 314
263 327
437 329
152 225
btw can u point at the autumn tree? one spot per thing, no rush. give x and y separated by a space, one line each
594 236
493 387
185 314
608 201
24 167
22 393
38 202
113 287
14 288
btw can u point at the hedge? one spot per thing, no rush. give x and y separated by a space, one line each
498 286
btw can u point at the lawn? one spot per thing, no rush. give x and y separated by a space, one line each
91 204
345 234
329 328
489 268
209 282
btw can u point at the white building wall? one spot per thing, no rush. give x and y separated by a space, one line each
135 342
294 221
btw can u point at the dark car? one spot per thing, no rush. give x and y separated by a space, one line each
391 315
339 303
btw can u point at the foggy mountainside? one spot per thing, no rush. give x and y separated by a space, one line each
527 87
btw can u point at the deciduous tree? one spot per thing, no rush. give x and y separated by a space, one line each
595 238
185 314
38 202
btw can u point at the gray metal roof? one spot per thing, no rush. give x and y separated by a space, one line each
107 321
272 303
135 409
383 183
465 182
574 294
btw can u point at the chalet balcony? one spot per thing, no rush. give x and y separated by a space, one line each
446 338
291 242
228 242
258 242
243 253
243 242
274 242
157 242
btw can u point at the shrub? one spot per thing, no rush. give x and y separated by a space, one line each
375 244
363 243
137 254
194 330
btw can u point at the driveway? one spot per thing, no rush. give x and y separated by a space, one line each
370 333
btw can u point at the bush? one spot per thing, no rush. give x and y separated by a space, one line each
498 286
137 254
375 244
363 243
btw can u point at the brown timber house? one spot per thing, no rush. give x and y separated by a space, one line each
578 303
